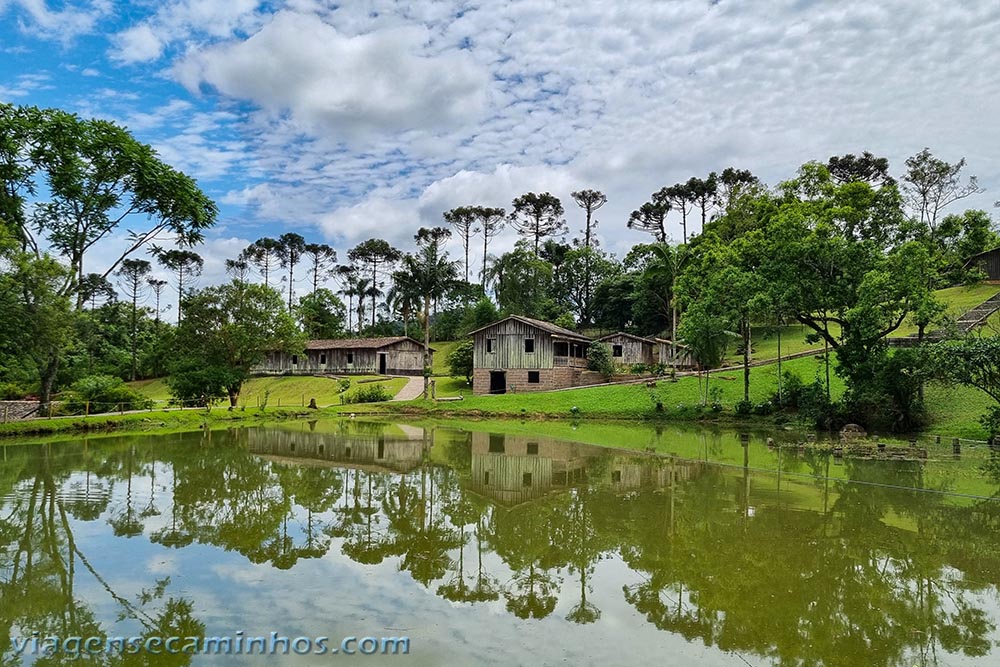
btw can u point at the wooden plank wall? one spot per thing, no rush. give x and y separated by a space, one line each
508 348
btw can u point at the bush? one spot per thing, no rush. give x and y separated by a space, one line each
460 360
744 408
102 393
599 359
763 409
11 392
343 384
791 391
638 369
369 393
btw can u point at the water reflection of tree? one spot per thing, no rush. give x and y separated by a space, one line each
41 562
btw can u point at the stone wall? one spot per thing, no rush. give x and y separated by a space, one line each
14 410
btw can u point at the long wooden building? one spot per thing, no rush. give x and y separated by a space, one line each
518 354
628 349
391 355
988 262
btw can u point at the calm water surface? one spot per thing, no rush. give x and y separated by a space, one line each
509 547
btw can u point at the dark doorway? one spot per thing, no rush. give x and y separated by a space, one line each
381 363
498 382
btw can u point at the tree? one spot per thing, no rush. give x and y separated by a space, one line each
226 331
460 360
731 185
464 219
238 269
589 201
537 216
431 273
348 276
864 168
491 223
96 177
522 282
157 286
680 198
133 274
703 194
291 247
185 265
577 267
322 262
931 184
650 218
264 254
705 330
377 255
321 314
37 322
599 359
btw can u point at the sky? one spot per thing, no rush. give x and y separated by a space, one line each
371 118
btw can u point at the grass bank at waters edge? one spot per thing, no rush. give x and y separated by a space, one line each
285 390
953 411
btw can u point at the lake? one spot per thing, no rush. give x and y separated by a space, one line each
495 543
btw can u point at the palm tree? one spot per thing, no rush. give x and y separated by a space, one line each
430 274
403 298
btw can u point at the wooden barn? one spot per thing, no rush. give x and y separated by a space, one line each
674 356
518 354
988 262
393 355
513 469
628 349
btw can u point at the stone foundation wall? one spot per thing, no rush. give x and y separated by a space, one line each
14 410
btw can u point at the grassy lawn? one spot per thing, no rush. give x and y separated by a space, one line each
439 364
959 300
285 391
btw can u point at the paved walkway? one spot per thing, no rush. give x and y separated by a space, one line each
413 388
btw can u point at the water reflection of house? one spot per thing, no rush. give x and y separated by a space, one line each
513 469
397 452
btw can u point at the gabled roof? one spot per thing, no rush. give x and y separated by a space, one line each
628 335
359 343
547 327
981 255
667 341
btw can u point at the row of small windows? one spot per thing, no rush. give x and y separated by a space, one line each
559 349
322 359
525 479
497 446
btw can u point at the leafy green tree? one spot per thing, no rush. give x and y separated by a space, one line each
651 217
186 265
376 255
706 331
973 361
322 261
523 282
291 247
537 217
133 274
321 314
931 184
579 266
464 219
227 330
460 360
599 359
265 255
703 193
431 273
491 222
37 322
481 314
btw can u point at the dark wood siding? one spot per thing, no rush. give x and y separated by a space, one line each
988 262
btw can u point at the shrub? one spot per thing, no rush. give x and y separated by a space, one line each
460 360
763 409
369 393
343 384
743 408
11 392
102 393
599 359
638 369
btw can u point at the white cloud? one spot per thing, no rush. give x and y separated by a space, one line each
137 44
65 24
340 85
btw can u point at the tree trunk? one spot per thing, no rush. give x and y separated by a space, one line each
486 245
746 359
234 394
374 287
780 396
427 343
684 224
47 379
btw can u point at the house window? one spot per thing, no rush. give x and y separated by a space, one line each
486 478
533 448
560 349
533 377
496 444
616 476
322 359
616 351
526 479
347 453
491 345
529 345
350 357
295 360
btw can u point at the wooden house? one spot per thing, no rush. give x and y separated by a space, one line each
392 355
674 356
988 262
513 469
518 354
380 452
628 349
